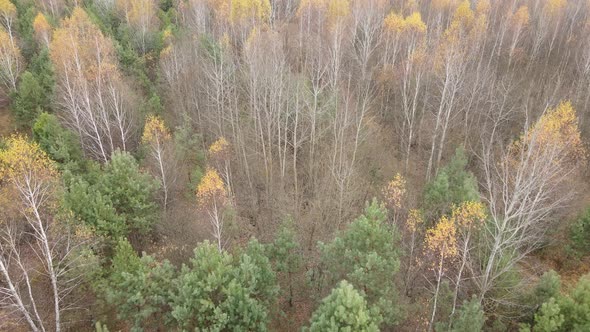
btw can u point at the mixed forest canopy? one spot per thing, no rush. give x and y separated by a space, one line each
294 165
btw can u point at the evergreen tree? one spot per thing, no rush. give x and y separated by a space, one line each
59 142
116 200
469 318
345 310
285 254
28 99
566 312
139 287
365 255
452 185
220 292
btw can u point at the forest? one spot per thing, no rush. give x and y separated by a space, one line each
294 165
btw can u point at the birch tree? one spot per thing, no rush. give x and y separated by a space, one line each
31 177
524 185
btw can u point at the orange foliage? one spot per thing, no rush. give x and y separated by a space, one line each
521 16
80 45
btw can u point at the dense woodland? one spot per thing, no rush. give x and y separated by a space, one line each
288 165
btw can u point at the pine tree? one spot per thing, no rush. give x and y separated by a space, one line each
345 310
365 255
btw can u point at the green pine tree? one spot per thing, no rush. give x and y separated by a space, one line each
365 255
345 310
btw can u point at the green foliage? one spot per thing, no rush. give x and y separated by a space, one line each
27 100
26 12
138 287
34 91
548 287
216 290
549 318
285 254
345 310
566 312
221 292
365 256
580 233
452 185
284 251
100 327
59 142
469 318
115 201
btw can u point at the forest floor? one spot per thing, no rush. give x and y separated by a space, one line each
6 123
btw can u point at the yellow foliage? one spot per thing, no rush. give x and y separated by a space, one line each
414 23
7 8
41 27
10 60
469 213
395 23
442 239
415 219
556 130
463 14
155 130
555 8
395 191
219 146
258 10
440 5
521 16
482 7
78 43
211 189
24 160
338 9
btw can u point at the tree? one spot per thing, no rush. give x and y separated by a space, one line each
395 194
139 288
285 253
365 255
11 62
28 99
566 312
96 102
7 17
468 217
42 29
580 232
452 185
115 201
470 317
345 310
141 17
58 142
157 137
522 202
222 292
212 198
441 245
31 178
